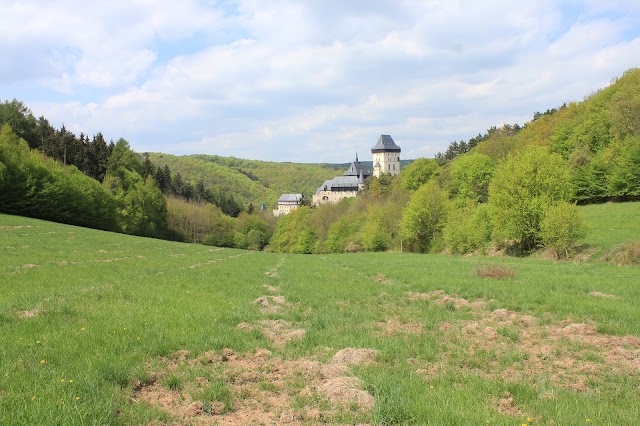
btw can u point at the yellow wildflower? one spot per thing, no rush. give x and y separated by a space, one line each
42 361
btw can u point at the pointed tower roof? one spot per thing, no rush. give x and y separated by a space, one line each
385 144
356 168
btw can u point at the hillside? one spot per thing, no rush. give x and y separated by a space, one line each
251 181
599 138
113 329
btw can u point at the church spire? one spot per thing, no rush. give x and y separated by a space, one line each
357 157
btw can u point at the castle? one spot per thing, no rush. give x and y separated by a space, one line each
386 159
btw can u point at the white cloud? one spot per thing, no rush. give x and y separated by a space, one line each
310 81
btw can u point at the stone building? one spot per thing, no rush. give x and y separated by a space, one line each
347 185
287 203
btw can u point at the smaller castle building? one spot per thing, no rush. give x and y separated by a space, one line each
287 203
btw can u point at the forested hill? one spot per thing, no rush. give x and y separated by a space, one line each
250 181
599 138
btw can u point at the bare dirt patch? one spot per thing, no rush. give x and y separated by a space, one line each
382 279
29 313
271 288
394 326
354 356
15 226
441 298
506 405
264 389
498 272
516 347
603 295
279 332
270 304
343 390
29 266
116 259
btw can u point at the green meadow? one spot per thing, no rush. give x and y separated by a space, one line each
100 328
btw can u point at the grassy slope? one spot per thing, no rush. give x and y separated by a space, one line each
274 178
105 303
612 224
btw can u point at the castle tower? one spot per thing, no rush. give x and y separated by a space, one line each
386 156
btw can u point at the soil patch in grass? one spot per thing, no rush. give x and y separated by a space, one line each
520 348
603 295
257 388
29 313
394 326
279 332
270 304
498 272
382 279
443 299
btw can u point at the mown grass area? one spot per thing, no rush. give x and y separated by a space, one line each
87 318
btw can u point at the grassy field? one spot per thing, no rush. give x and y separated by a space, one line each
102 328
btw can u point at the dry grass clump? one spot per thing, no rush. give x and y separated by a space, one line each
498 272
627 254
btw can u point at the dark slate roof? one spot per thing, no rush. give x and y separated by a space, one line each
356 168
385 143
289 198
340 182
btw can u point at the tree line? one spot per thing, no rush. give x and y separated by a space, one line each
51 174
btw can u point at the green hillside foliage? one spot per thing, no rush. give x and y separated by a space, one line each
369 222
32 184
510 189
204 223
250 181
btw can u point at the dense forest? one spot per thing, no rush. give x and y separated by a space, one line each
513 188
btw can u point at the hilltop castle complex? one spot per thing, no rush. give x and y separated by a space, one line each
386 160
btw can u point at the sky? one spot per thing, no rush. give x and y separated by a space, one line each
307 81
